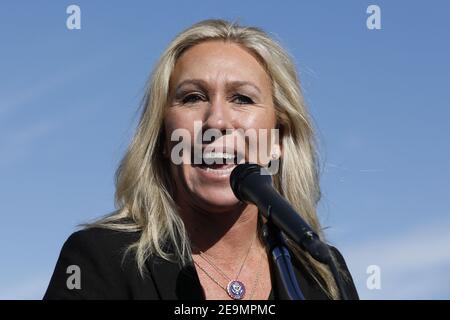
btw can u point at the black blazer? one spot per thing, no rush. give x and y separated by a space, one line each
106 273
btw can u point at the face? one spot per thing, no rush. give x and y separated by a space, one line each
221 88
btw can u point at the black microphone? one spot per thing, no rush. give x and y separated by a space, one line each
252 183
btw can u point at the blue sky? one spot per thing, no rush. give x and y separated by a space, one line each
379 98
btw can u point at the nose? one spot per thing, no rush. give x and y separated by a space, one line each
218 115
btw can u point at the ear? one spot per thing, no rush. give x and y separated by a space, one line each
276 151
277 143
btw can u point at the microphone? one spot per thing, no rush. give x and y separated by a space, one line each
252 183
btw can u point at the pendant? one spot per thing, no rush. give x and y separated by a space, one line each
236 289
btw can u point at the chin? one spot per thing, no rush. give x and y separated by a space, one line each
208 190
216 198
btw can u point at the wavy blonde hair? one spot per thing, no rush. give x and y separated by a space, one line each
143 183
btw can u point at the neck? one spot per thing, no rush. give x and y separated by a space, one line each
221 233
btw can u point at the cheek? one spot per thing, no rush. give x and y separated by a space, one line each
184 179
259 117
181 118
261 135
179 128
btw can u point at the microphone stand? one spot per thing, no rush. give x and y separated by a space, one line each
282 260
279 252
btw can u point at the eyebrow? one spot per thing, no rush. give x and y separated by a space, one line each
203 84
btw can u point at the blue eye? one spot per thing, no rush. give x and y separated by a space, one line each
192 98
243 99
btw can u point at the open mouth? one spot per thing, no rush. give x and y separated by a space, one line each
219 163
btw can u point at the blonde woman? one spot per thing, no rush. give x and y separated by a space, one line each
179 232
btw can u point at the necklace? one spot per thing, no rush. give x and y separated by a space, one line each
235 288
226 289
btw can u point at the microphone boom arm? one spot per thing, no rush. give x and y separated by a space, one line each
251 184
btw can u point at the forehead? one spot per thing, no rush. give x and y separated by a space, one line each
219 61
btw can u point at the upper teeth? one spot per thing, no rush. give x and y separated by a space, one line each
218 155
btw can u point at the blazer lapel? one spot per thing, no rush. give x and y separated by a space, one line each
173 282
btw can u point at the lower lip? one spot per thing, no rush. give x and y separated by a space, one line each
216 174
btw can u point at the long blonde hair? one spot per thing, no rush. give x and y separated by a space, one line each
143 184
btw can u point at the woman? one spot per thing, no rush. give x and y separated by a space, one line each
179 231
